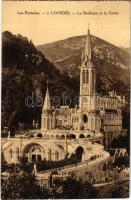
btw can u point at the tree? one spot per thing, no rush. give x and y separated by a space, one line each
75 189
22 185
121 142
122 160
120 191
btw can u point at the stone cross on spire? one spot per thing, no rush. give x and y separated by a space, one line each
47 102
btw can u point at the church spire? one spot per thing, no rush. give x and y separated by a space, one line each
87 49
47 102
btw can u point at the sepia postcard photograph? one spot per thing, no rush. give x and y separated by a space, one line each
65 100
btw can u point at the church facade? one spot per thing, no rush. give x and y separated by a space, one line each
95 113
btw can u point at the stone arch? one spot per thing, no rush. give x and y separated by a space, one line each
46 151
33 152
36 153
40 135
81 136
63 137
31 136
52 136
72 136
57 136
79 152
88 135
84 118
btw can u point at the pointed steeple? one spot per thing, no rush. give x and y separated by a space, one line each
47 102
87 49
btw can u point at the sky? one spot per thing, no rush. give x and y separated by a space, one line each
44 28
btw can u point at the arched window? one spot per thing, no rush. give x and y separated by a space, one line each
36 154
63 137
79 152
36 150
31 136
83 76
72 136
39 135
56 155
88 136
81 136
91 123
49 154
96 123
17 153
10 153
48 123
87 77
51 123
85 118
57 136
44 121
93 77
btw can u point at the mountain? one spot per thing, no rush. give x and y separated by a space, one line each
128 50
25 70
111 62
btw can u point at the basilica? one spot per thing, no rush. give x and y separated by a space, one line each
87 128
94 113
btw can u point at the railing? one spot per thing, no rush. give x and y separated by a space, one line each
59 168
79 165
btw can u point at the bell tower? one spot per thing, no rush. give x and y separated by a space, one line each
87 75
87 97
47 117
